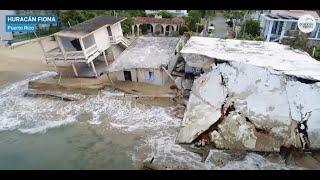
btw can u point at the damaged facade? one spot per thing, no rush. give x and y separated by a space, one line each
147 59
259 96
100 38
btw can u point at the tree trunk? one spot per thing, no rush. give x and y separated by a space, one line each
205 29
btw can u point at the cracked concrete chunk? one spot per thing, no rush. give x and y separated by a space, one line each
202 113
236 133
266 108
304 103
197 119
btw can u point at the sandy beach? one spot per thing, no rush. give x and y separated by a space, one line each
16 63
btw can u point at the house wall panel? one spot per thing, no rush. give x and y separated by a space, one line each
102 39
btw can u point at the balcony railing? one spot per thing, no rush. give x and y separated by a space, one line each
92 49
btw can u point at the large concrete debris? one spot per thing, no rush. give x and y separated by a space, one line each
202 52
247 107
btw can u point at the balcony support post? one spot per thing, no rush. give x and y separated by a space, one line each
284 27
94 69
74 69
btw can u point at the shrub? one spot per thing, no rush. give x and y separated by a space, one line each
165 14
251 27
298 42
184 29
144 28
251 37
175 34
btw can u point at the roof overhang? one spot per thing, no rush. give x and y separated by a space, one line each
81 35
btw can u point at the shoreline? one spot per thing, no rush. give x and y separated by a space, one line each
16 63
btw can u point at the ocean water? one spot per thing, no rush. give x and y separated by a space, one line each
98 132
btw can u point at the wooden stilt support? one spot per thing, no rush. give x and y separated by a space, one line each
94 69
74 69
110 80
105 58
55 67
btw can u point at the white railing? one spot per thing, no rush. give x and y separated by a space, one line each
92 49
74 54
69 55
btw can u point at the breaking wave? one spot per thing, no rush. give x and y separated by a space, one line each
37 115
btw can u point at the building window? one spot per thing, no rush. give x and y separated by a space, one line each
88 41
70 44
149 76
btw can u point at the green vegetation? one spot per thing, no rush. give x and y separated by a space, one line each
165 14
250 30
175 34
184 29
77 16
250 27
251 37
194 18
144 28
317 52
298 42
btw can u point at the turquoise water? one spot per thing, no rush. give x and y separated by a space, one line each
98 132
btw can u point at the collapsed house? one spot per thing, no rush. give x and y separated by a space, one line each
259 96
147 59
100 38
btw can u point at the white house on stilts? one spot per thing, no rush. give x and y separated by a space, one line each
94 39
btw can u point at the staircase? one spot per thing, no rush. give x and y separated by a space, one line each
125 42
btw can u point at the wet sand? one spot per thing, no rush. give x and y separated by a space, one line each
16 63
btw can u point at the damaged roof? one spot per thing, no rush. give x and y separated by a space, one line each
90 25
202 52
146 52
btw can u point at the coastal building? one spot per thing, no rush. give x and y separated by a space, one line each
147 59
157 25
177 13
100 38
279 24
5 37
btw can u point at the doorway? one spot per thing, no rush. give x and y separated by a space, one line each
127 76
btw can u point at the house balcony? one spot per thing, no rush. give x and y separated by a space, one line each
86 55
